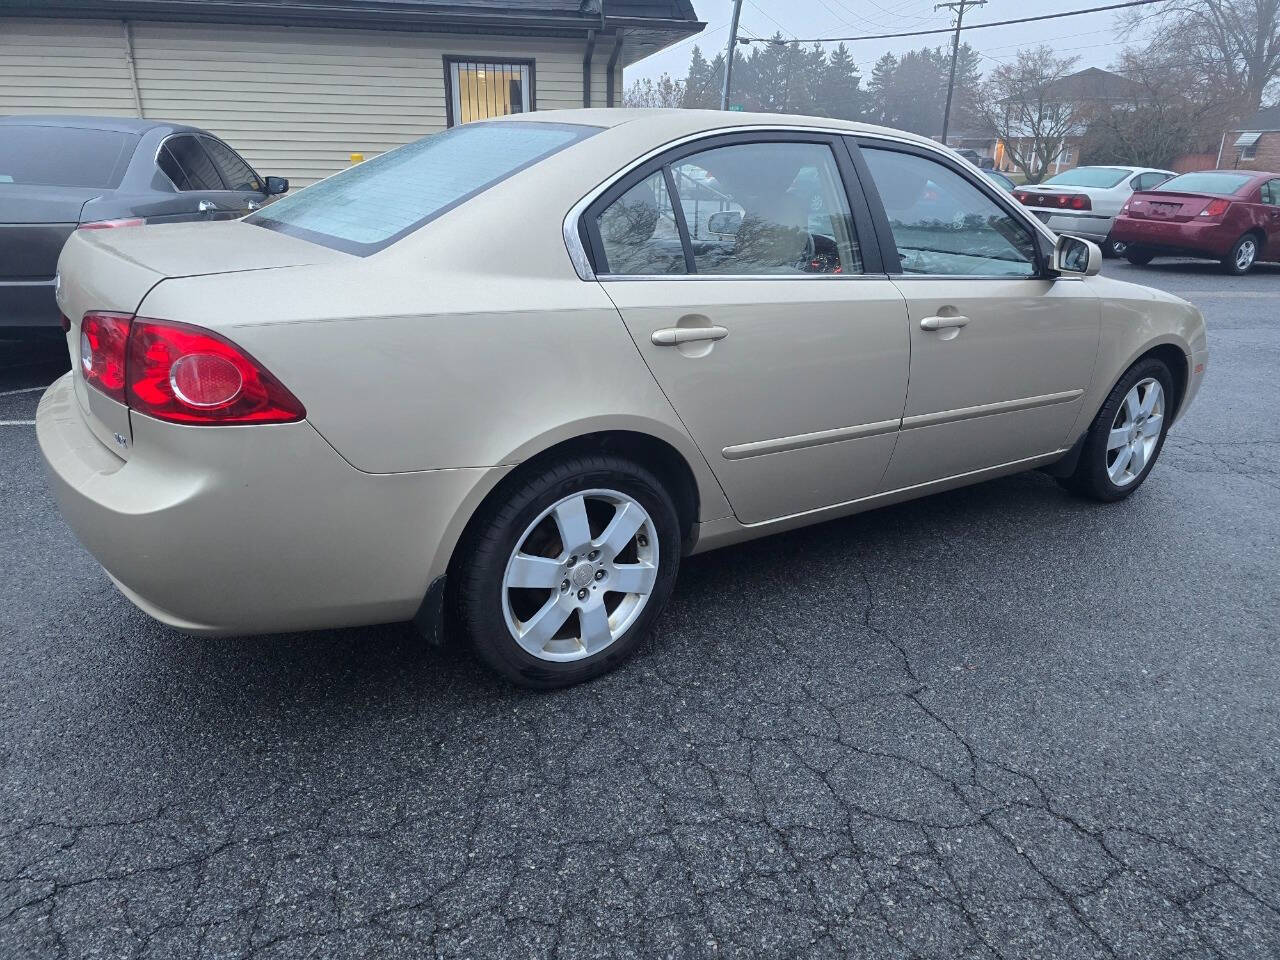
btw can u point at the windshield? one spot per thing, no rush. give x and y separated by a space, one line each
64 156
1208 182
372 205
1089 177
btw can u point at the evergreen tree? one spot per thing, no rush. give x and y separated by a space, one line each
700 89
880 89
839 92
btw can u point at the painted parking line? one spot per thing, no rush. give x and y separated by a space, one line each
17 423
10 393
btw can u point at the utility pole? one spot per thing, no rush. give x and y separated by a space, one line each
728 54
959 6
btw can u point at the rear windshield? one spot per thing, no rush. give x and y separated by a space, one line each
1209 182
64 156
1089 177
372 205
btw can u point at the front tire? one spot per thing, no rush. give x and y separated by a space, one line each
1137 256
1127 435
563 578
1242 256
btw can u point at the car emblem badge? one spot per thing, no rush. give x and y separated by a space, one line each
120 440
583 574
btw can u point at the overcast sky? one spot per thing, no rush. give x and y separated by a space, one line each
1093 37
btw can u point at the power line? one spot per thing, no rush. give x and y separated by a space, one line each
972 26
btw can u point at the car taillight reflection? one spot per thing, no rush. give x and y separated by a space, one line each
180 373
112 224
1060 201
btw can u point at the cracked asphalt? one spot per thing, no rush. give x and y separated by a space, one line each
997 722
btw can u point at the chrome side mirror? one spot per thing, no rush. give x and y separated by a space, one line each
1074 257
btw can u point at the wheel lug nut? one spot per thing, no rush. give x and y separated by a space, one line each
572 560
593 554
582 594
564 586
599 574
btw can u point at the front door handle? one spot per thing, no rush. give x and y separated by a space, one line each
942 323
206 206
673 336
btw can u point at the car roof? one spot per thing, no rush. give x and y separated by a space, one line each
679 121
134 125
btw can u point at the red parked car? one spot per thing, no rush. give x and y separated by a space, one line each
1232 216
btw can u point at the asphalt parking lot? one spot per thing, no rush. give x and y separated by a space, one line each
998 722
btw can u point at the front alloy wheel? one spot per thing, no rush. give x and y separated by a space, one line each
1126 435
1135 431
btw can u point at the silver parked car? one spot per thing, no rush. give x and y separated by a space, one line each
520 368
1085 201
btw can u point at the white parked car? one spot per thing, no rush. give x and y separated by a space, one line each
1084 202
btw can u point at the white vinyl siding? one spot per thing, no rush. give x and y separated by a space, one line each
295 101
64 66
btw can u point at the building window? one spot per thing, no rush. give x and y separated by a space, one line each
476 89
1250 152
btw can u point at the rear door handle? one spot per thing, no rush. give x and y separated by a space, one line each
942 323
207 206
672 336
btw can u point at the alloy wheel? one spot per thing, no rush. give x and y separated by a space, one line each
1135 431
1246 253
580 575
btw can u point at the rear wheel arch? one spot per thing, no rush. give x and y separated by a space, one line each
646 450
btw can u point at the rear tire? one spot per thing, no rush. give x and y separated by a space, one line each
1243 255
1137 256
546 635
1128 431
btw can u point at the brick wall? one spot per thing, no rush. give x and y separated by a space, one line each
1266 157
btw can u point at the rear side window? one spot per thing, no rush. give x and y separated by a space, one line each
236 174
370 206
185 162
64 156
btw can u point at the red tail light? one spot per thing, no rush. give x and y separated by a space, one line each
184 374
1081 202
103 337
109 224
180 373
1216 208
1021 196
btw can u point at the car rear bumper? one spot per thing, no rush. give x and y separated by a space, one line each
1176 239
28 303
251 529
1090 226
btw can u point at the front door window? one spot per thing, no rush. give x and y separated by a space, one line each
944 225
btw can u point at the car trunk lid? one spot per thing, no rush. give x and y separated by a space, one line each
113 271
35 222
1168 205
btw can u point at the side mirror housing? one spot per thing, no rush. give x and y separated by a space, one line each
726 221
1075 257
277 185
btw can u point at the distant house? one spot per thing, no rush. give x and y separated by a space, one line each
298 87
1086 94
1255 145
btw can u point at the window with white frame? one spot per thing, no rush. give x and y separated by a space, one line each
488 88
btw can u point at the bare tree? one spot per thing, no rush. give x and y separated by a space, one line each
646 92
1167 114
1022 108
1232 46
